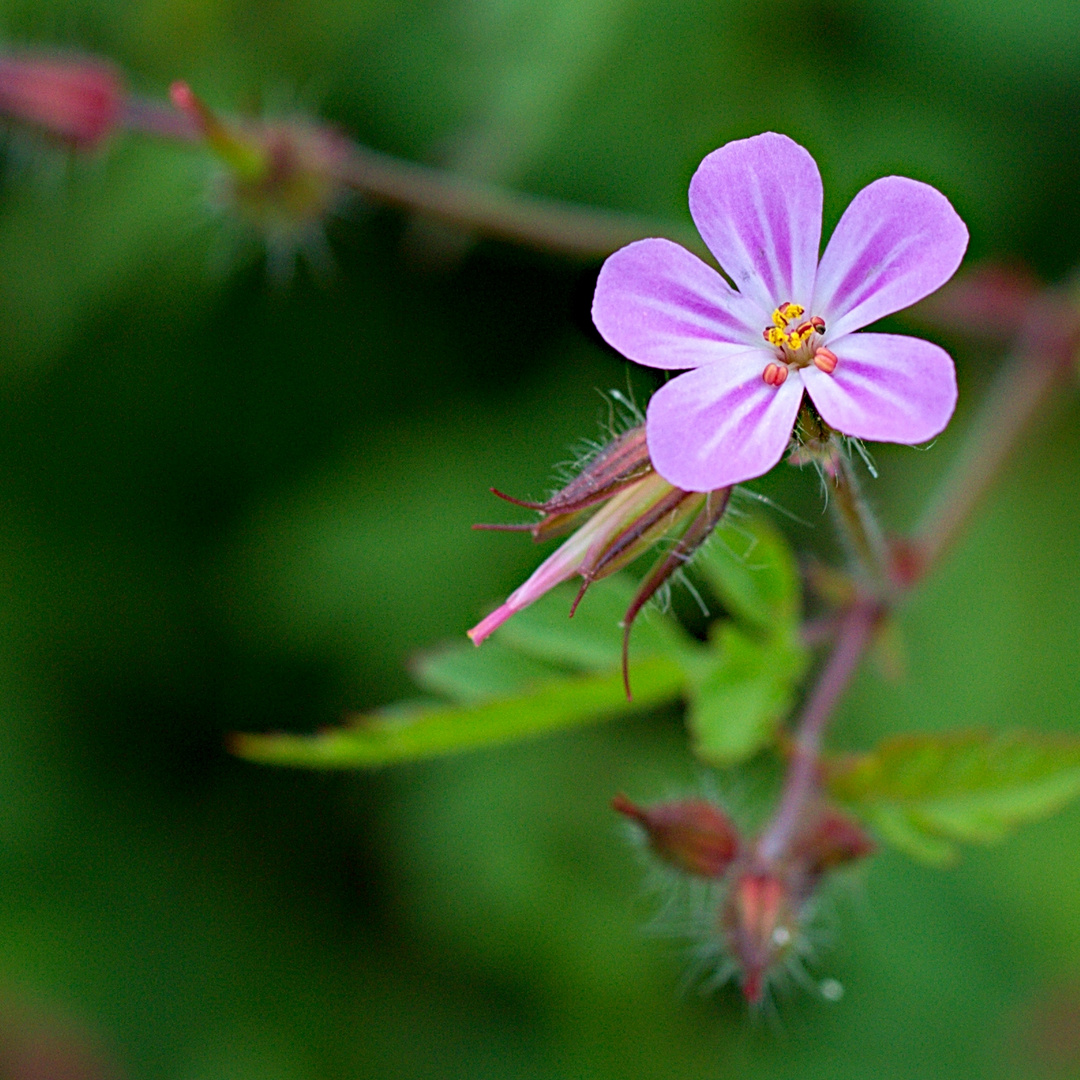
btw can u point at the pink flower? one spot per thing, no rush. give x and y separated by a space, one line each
791 325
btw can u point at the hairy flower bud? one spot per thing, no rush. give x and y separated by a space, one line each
833 841
282 178
74 99
760 923
690 834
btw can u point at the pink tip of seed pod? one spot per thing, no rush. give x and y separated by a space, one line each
825 360
78 100
487 626
182 96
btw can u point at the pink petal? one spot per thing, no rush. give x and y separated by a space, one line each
897 242
886 387
757 204
662 306
721 424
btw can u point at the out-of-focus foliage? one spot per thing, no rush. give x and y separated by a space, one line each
923 792
741 697
233 507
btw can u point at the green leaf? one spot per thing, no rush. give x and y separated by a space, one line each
468 675
925 792
592 639
429 731
738 702
752 568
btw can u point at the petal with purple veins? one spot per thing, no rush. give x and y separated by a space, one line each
757 204
897 242
886 387
661 306
721 424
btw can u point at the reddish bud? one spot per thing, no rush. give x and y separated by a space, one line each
834 841
691 834
759 921
78 100
907 563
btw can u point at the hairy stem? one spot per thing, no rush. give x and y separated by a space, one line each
861 531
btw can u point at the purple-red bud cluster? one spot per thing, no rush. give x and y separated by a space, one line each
761 915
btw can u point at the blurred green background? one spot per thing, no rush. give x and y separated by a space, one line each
226 505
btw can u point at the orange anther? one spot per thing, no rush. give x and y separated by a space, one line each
825 360
818 323
775 374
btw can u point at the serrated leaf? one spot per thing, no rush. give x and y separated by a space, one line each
468 675
752 568
925 792
592 639
738 702
432 731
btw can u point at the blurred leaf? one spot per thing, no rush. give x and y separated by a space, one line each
924 791
431 731
468 675
592 639
752 568
737 704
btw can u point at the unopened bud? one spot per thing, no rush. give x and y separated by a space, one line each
690 834
282 177
759 921
77 100
834 841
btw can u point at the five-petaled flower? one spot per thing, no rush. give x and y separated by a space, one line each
791 325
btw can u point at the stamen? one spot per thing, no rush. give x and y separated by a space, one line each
825 360
792 340
775 374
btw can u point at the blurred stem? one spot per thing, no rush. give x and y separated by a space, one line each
572 229
544 224
1043 360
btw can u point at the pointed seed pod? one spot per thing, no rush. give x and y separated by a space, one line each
691 834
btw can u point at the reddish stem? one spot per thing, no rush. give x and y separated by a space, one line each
800 786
